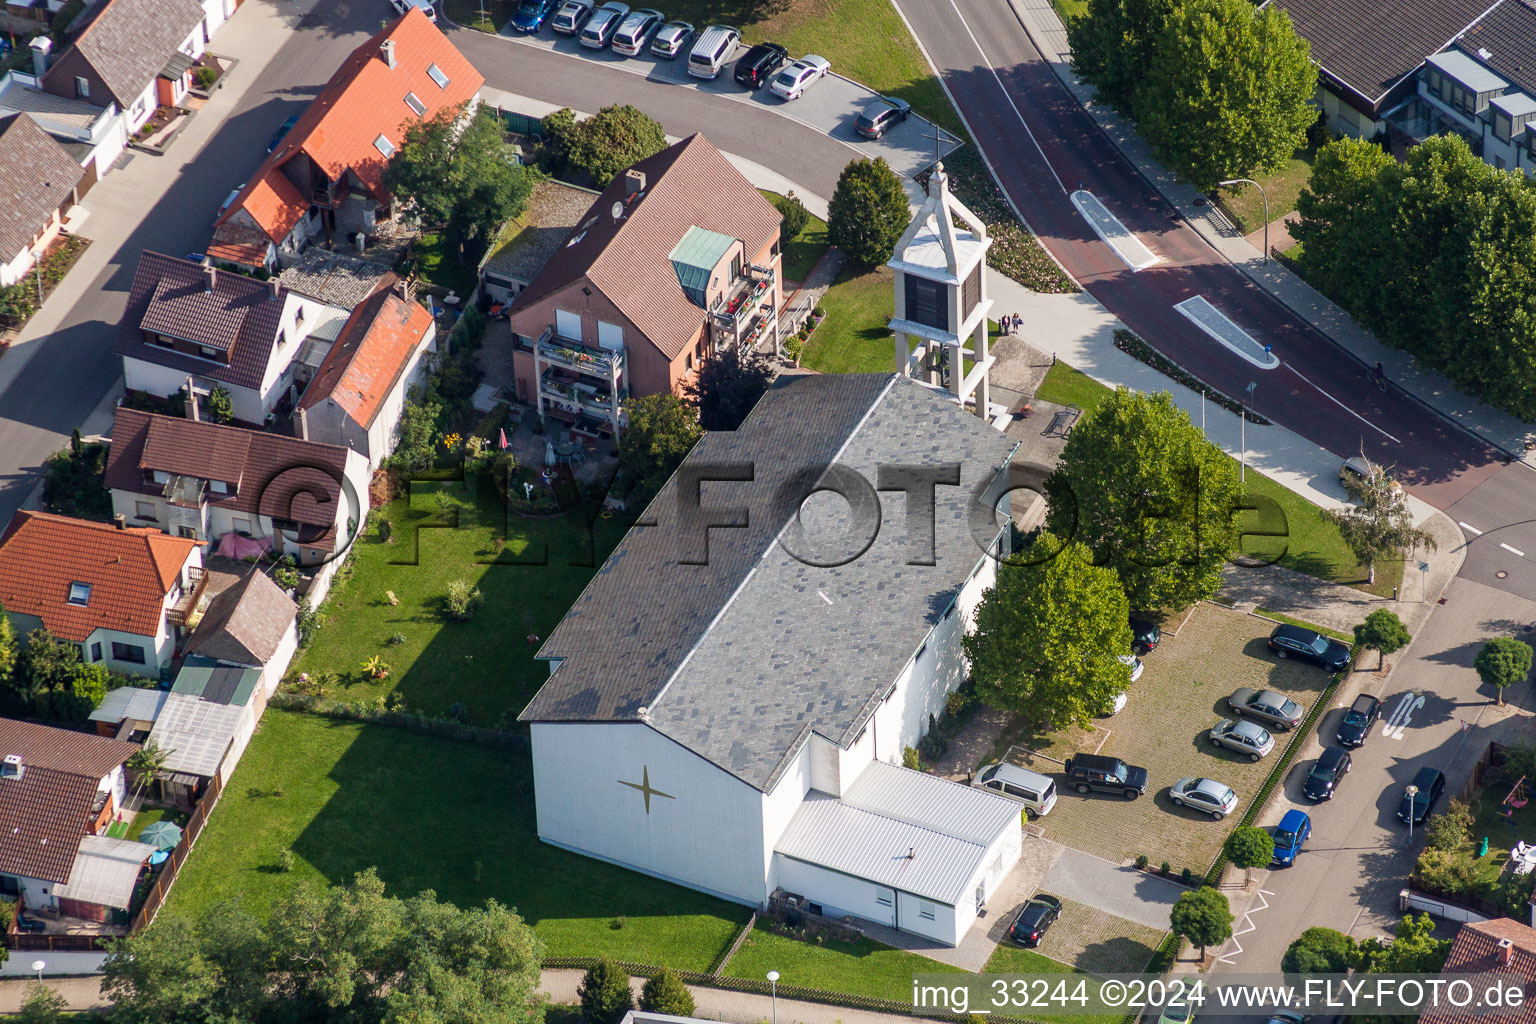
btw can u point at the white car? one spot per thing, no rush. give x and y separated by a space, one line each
1205 795
792 82
671 39
1136 669
600 28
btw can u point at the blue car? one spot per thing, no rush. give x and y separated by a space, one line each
1294 830
530 14
282 129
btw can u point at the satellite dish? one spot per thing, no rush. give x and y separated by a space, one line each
618 210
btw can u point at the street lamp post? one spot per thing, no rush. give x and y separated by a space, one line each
38 965
1242 469
1262 194
1412 792
773 980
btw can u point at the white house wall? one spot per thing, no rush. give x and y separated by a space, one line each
158 650
165 381
840 895
780 805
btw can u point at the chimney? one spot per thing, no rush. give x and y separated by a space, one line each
42 49
12 768
911 853
1506 952
210 277
301 421
276 286
192 402
634 183
120 521
387 48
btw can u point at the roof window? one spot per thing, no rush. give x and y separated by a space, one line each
80 594
436 74
414 102
384 146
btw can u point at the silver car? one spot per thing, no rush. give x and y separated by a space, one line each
1274 709
671 39
599 29
1206 795
634 32
1244 737
792 82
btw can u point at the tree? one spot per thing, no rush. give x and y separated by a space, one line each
1318 951
613 139
1115 43
148 765
10 652
1228 93
795 215
1050 634
665 993
221 407
559 139
74 482
1380 526
1414 950
1340 222
1150 496
1249 847
42 1006
1382 632
728 386
604 993
868 212
661 432
1202 916
1503 661
48 663
348 952
88 686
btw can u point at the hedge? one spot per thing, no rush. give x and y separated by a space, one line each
1133 346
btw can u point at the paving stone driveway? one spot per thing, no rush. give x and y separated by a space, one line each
1125 892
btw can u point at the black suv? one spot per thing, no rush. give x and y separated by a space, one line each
1308 645
758 64
1362 714
1428 784
1094 772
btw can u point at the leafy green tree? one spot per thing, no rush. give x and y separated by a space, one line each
74 481
87 688
1414 950
1115 43
613 139
1249 847
1203 916
559 139
147 765
1229 91
10 652
604 993
1150 496
1340 221
868 212
665 993
42 1005
795 215
1050 634
1382 632
661 432
1503 661
221 407
1380 525
49 663
1450 830
728 386
1318 951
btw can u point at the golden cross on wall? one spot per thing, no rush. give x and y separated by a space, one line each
644 787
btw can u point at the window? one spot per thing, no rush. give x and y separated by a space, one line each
218 486
96 651
436 74
82 88
610 336
884 897
207 351
568 325
970 295
927 302
1434 79
162 341
161 476
384 146
925 911
1501 126
920 651
242 527
144 510
127 652
298 316
414 102
80 594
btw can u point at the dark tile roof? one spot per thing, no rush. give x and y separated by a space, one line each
128 42
1370 45
203 450
275 473
336 278
240 315
740 659
244 624
63 750
1505 40
37 176
1475 950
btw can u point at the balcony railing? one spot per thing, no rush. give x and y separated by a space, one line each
185 491
745 295
578 397
597 362
188 610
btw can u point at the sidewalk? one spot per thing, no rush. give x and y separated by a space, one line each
1044 26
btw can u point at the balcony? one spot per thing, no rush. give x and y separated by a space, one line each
743 298
580 397
187 611
184 491
578 358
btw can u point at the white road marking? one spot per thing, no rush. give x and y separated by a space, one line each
1131 250
1470 528
1250 926
824 597
1398 722
1514 551
1218 325
1341 405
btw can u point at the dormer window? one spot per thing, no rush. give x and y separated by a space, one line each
160 476
208 351
436 74
80 594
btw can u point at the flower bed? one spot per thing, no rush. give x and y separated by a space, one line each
19 301
794 345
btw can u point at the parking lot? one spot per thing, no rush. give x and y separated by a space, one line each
828 106
1163 728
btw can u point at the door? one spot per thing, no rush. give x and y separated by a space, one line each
885 899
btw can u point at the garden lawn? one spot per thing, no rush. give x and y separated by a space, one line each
1067 10
439 265
149 815
485 664
1244 202
859 966
805 250
853 338
430 813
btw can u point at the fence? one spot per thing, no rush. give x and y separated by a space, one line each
526 125
31 942
1408 900
167 876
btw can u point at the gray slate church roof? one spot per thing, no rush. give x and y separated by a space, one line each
741 659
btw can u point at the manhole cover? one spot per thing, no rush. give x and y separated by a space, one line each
1501 574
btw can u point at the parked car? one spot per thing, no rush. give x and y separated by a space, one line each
1244 737
282 129
424 6
1095 773
1357 469
1176 1013
1144 635
880 116
758 64
792 82
1205 795
531 14
599 29
671 39
1428 784
713 48
635 31
1035 917
1035 791
1308 645
1290 834
1267 706
1356 726
229 200
571 16
1331 767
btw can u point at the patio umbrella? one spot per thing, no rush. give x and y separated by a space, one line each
503 441
162 835
549 453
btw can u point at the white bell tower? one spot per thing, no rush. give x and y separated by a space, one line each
941 298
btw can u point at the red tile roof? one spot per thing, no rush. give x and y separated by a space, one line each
1476 951
364 99
130 572
369 356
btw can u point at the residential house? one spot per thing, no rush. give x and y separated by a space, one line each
1484 88
57 787
122 594
359 390
1501 946
39 182
527 242
251 624
239 491
740 729
677 259
93 133
325 180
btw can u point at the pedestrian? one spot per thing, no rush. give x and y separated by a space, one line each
1004 324
1018 323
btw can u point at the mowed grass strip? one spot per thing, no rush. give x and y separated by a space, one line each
435 814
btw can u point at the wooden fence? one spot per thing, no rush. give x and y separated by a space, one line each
167 876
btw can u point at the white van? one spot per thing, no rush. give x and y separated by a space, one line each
715 46
1036 792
